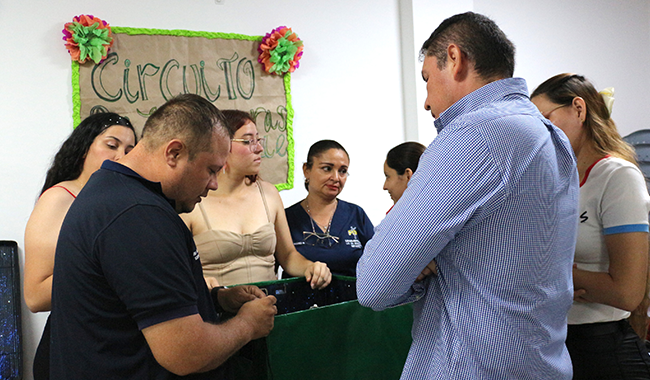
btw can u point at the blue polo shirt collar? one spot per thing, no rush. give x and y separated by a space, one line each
156 187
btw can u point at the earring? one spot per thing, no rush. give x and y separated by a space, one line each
306 181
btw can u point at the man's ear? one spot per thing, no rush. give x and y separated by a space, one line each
408 173
174 151
458 61
580 107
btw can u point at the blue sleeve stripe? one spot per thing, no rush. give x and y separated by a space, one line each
625 228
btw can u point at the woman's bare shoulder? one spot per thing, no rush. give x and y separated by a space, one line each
58 196
267 186
272 196
51 207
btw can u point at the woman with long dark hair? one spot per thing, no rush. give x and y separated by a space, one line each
102 136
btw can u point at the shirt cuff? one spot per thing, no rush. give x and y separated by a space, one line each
625 228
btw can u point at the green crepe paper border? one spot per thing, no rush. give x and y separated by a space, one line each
290 146
76 99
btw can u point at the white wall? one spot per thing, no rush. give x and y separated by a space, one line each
607 41
427 15
349 85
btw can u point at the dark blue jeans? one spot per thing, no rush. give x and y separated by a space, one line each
608 350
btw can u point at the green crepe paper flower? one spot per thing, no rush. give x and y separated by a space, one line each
280 51
283 54
91 41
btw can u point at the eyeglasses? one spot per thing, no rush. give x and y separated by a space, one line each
548 114
318 239
252 143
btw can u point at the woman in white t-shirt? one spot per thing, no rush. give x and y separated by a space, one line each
611 260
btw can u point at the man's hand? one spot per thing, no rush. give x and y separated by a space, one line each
318 275
189 344
232 299
259 315
430 269
579 296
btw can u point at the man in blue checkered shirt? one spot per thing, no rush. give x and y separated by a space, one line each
494 205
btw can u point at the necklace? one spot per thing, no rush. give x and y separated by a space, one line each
313 228
322 239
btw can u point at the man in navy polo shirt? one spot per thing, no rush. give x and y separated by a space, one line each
128 298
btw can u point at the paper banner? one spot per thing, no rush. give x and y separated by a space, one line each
146 67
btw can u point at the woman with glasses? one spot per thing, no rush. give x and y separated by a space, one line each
611 258
240 229
323 227
99 137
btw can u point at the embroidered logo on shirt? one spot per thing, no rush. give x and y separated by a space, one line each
196 255
354 243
